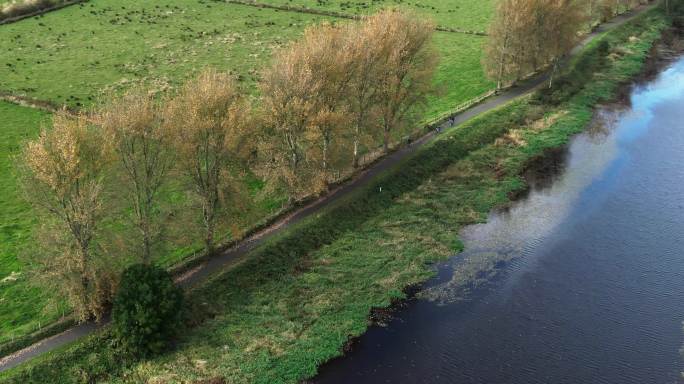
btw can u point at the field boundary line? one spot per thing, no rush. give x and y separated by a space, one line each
39 12
30 102
342 15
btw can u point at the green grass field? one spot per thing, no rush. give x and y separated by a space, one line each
72 55
460 76
75 55
459 14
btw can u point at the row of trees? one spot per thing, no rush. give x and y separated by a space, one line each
527 35
337 90
324 99
604 10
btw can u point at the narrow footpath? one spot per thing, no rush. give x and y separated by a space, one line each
217 263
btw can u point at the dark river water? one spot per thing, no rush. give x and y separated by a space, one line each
594 292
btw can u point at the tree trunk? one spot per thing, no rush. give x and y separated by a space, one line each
147 245
554 67
209 227
325 154
85 280
385 139
145 231
502 63
294 161
355 162
357 139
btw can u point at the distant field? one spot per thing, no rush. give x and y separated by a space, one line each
70 56
462 14
73 55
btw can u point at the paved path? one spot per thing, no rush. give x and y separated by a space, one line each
217 263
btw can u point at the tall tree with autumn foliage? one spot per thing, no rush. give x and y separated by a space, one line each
561 31
340 85
527 35
134 123
208 122
506 44
366 64
329 59
291 113
408 64
63 175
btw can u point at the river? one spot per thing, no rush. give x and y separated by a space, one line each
594 289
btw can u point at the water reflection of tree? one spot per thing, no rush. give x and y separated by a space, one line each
542 172
604 122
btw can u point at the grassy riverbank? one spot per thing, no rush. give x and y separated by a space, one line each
294 302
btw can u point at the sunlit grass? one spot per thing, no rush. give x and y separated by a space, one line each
74 54
460 76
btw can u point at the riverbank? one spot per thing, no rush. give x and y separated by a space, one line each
592 292
278 315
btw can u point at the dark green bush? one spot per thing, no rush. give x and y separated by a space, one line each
147 310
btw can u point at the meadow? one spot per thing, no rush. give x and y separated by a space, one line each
280 313
74 55
77 55
457 14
